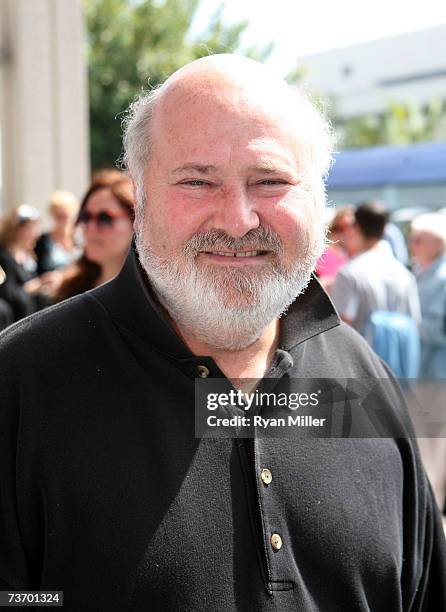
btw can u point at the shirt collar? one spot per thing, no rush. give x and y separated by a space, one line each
431 269
130 303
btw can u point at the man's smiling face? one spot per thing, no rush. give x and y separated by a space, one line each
230 213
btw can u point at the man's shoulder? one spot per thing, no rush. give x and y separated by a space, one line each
348 280
51 329
374 261
350 340
342 352
355 265
400 267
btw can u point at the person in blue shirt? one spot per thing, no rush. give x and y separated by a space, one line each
428 245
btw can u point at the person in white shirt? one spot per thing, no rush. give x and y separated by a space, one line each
373 279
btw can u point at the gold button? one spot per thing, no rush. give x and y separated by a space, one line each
202 371
276 541
266 476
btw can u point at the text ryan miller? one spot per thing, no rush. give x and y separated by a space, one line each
263 423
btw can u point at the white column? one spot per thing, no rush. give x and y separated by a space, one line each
43 100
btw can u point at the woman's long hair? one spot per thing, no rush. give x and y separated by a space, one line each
83 275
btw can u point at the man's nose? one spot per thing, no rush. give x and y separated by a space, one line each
236 214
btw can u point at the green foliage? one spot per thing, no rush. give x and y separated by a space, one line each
131 43
400 124
296 75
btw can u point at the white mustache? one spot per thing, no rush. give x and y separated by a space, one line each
259 239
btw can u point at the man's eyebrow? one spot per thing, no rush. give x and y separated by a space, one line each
194 167
272 168
267 168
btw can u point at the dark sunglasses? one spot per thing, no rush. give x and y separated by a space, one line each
103 219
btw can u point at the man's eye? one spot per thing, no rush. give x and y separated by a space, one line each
272 182
194 183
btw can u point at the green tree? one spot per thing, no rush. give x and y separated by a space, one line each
133 43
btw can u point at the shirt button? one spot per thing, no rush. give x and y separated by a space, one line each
266 476
202 371
276 541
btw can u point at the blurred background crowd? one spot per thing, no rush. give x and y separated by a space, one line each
68 71
85 246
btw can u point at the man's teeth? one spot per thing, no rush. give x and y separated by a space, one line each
243 254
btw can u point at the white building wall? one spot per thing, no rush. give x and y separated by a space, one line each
365 78
43 100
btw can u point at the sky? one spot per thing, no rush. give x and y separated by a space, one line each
302 28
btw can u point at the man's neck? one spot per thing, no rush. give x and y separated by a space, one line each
249 363
426 262
367 244
64 235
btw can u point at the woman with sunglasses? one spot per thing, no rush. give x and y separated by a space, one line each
106 220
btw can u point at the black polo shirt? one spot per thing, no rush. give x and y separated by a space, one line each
107 494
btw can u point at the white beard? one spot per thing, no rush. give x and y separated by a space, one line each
228 308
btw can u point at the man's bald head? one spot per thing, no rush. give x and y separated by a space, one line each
232 73
227 83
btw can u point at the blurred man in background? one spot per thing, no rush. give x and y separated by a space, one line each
373 279
427 244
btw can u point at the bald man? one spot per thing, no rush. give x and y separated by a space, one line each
118 487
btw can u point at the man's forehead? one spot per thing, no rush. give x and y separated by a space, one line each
220 119
214 149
